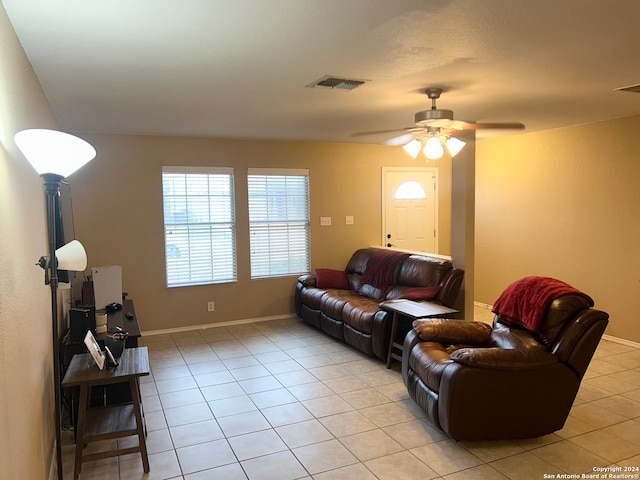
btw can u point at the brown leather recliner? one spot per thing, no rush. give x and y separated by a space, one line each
478 382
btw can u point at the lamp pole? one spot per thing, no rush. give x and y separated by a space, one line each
54 155
52 184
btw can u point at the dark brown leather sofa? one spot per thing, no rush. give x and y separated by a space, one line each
352 313
478 382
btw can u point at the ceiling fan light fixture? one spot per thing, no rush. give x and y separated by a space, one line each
433 148
413 148
454 145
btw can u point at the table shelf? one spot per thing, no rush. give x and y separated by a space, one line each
110 422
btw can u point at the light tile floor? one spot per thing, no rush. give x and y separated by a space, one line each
281 400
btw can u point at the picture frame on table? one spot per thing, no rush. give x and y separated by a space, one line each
94 349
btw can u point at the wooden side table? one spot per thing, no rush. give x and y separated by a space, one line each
413 310
112 421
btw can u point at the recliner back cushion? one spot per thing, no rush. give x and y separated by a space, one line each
419 271
558 314
504 336
356 267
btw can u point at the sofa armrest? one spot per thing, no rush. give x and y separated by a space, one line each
451 286
308 280
447 331
495 358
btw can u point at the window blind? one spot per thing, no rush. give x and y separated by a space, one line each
199 225
278 222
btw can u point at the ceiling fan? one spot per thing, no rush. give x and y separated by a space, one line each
434 128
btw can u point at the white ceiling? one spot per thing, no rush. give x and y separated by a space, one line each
238 68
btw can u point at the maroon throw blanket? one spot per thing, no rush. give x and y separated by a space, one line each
381 268
525 301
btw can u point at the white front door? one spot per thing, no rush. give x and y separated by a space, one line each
409 210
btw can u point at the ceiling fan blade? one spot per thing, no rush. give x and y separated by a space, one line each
401 139
505 126
395 130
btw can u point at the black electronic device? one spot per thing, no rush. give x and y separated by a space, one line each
81 319
113 307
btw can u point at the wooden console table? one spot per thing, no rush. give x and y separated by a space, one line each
413 310
111 421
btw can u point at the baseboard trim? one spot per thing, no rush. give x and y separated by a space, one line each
622 341
483 305
229 323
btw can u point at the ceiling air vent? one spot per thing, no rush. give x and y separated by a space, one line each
630 88
336 82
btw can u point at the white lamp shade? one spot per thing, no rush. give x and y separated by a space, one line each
433 148
413 148
454 145
72 256
51 151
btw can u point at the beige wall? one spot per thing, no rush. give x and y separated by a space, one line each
26 393
117 202
563 203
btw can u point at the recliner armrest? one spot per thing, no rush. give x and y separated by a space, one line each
448 331
308 280
503 359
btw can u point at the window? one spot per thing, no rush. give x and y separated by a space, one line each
199 225
278 222
410 191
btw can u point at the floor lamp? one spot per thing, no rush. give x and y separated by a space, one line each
56 155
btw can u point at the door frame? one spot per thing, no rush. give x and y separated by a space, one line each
434 172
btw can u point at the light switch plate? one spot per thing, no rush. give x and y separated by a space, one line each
348 220
325 221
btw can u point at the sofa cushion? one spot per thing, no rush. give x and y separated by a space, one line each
311 297
329 278
507 337
420 293
334 301
360 313
382 268
419 271
370 291
356 267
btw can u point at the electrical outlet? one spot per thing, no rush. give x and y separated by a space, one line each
348 220
210 306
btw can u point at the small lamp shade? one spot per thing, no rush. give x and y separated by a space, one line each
72 256
413 148
51 151
433 148
454 145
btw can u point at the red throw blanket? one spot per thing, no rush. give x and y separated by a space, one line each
381 268
525 301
